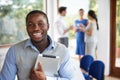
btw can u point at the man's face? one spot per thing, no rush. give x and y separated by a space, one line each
64 13
37 27
81 13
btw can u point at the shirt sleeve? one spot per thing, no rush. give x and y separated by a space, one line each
68 71
9 67
59 27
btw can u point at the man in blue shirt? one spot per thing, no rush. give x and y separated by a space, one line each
21 57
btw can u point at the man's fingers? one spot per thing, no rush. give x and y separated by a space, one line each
32 74
40 67
37 74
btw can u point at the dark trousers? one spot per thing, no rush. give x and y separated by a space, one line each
63 41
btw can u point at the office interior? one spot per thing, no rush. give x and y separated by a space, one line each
12 24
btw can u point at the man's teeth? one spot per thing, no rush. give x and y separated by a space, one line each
36 34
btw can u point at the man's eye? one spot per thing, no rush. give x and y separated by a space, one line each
41 24
30 25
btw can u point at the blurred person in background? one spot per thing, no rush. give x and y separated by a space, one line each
61 30
80 44
91 33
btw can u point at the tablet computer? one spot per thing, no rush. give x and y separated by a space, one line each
50 64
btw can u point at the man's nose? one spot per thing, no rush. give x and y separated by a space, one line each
36 27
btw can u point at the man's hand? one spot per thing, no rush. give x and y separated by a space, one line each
82 28
37 74
70 28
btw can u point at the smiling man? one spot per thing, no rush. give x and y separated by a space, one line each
21 57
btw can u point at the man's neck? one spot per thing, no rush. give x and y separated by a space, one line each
81 18
42 45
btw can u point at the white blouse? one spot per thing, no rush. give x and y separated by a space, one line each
93 37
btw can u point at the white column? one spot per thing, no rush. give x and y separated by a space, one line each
104 33
52 13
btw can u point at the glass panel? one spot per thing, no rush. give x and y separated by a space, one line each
118 34
12 19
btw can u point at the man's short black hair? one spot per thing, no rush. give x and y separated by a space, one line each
81 9
61 9
37 11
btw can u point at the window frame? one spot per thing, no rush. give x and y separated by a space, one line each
114 71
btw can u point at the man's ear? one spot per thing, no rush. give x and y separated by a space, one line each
48 26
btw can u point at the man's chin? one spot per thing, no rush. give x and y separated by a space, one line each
37 41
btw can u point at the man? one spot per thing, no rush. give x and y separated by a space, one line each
21 57
60 27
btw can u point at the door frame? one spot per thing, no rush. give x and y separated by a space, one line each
114 71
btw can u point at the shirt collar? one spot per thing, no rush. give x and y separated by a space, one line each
29 44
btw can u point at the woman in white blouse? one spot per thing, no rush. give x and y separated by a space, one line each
91 32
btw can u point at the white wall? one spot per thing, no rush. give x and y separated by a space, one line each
104 33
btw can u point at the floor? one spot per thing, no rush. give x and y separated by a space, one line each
111 78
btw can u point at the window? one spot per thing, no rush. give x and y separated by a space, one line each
118 33
12 19
115 38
